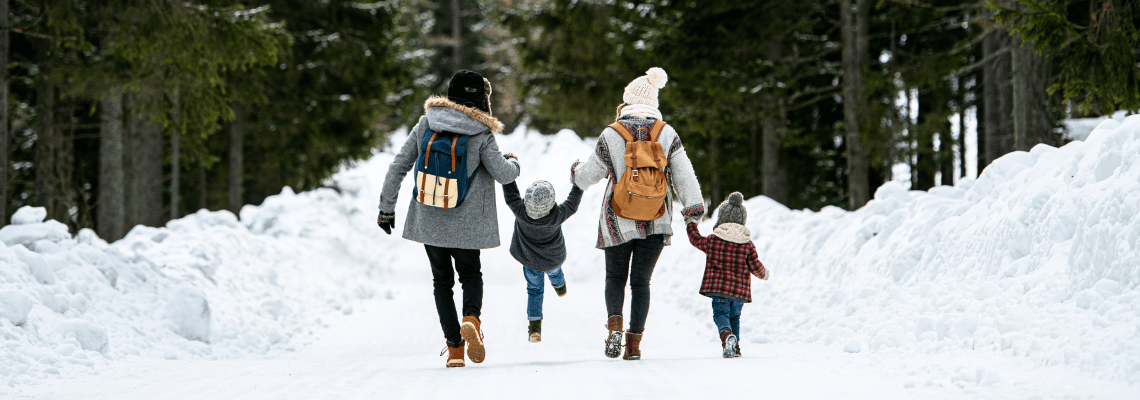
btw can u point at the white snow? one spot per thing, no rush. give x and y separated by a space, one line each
1021 283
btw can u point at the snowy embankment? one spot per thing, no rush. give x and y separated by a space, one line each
204 286
1039 258
1036 260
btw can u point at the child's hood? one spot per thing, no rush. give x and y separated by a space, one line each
732 232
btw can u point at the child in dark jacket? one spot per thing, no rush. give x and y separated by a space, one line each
538 243
730 258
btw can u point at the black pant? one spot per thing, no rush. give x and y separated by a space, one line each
634 259
443 278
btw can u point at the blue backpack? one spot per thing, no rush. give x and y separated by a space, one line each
441 169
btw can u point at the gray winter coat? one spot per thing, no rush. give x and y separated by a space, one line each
474 224
538 244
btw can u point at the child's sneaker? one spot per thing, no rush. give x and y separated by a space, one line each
474 338
561 290
535 331
728 344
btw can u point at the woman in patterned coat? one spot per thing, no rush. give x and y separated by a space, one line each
633 247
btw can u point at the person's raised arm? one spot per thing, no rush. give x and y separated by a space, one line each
695 238
586 174
514 201
502 170
570 206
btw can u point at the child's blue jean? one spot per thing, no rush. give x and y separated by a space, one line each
534 286
726 314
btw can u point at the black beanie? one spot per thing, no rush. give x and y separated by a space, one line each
470 89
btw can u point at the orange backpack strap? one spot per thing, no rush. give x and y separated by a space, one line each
655 132
621 130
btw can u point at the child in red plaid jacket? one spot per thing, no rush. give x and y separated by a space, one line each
730 258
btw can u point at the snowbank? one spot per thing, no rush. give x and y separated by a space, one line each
204 286
1038 258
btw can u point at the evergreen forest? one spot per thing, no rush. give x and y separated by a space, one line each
118 113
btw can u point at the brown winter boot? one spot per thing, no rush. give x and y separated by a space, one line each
632 349
727 344
737 347
613 338
474 338
454 355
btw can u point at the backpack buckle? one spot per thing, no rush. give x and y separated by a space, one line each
635 174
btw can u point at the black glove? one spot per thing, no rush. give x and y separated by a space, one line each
387 221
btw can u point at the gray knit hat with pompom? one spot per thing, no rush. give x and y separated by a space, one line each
732 210
539 199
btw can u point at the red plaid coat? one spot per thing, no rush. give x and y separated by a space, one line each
727 265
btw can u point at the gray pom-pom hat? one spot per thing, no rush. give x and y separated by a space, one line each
732 211
539 199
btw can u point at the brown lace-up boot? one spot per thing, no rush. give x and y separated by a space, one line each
632 346
613 338
454 355
474 338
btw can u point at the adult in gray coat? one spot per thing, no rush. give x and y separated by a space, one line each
457 233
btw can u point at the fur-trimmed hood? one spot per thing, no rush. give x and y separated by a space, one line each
735 233
446 115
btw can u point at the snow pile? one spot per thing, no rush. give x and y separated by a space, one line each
1040 257
207 285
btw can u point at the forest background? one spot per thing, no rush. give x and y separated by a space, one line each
124 112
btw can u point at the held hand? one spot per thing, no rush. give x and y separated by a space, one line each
574 168
510 157
387 221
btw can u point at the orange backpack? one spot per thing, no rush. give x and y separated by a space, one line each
640 193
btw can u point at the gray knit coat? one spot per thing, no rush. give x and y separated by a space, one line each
474 224
538 244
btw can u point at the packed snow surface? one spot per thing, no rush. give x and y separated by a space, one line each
1033 265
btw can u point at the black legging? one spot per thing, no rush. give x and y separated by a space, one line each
634 259
443 277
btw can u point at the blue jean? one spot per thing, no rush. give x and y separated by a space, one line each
726 314
534 286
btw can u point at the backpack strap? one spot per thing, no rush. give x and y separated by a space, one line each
454 140
427 153
621 130
655 132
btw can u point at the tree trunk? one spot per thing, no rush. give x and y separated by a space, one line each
979 119
236 173
961 127
110 211
53 164
998 95
854 59
456 36
5 139
946 153
1032 120
143 150
775 175
202 187
927 161
714 167
175 161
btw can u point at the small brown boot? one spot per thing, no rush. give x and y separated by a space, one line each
454 355
737 347
474 338
632 346
613 338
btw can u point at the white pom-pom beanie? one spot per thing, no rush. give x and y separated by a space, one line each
643 90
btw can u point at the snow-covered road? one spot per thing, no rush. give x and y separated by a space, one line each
388 349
